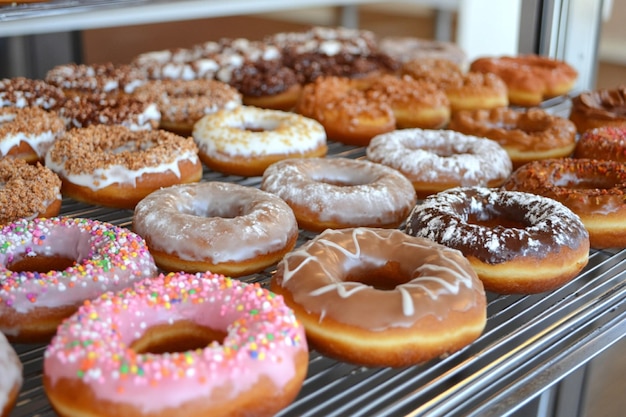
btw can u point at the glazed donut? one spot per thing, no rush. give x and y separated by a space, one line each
105 78
594 190
526 135
598 108
530 78
518 243
200 345
183 102
27 133
339 193
605 143
27 191
50 266
116 167
246 140
437 160
11 381
379 297
214 226
25 92
405 48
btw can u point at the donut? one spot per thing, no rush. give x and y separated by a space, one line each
25 92
104 78
379 297
246 140
27 191
183 102
434 160
527 135
441 72
215 226
407 48
340 193
530 78
178 63
27 133
200 345
114 166
595 190
48 267
602 143
11 381
598 108
518 243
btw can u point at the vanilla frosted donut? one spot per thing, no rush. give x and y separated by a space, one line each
215 226
435 160
340 192
10 376
246 140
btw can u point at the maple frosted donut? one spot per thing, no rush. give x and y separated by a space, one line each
48 267
516 242
25 92
339 192
598 108
27 191
104 78
437 160
27 133
215 226
380 297
593 189
246 140
605 143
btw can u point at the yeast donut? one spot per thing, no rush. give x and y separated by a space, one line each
526 135
606 143
592 189
246 140
379 297
50 266
214 226
598 108
11 381
105 78
437 160
338 193
116 167
516 242
27 191
25 92
201 345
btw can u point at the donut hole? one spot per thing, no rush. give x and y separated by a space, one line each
384 278
40 263
491 216
260 126
223 211
342 179
131 146
181 336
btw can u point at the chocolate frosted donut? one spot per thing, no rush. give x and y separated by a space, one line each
604 107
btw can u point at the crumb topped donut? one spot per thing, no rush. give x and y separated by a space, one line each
598 108
405 48
105 78
379 297
48 267
605 143
516 242
116 167
198 344
25 92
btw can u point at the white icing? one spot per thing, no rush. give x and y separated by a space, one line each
10 371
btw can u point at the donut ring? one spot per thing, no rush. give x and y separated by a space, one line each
12 379
198 227
340 192
437 160
106 78
606 143
27 191
116 167
598 108
246 140
516 242
82 258
25 92
379 297
594 190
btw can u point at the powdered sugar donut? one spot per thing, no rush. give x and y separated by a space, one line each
11 380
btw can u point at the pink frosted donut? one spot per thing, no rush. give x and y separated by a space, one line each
48 267
11 376
252 360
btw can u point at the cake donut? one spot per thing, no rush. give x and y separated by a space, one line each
405 48
435 160
516 242
103 78
200 345
26 92
48 267
246 140
598 108
27 191
379 297
27 133
339 192
116 167
593 189
215 226
605 143
11 380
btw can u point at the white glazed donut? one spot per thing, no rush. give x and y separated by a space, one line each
10 376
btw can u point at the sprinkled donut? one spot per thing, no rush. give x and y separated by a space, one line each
48 267
516 242
598 108
232 349
339 192
246 140
437 160
380 297
607 143
25 92
116 167
215 226
105 78
11 380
